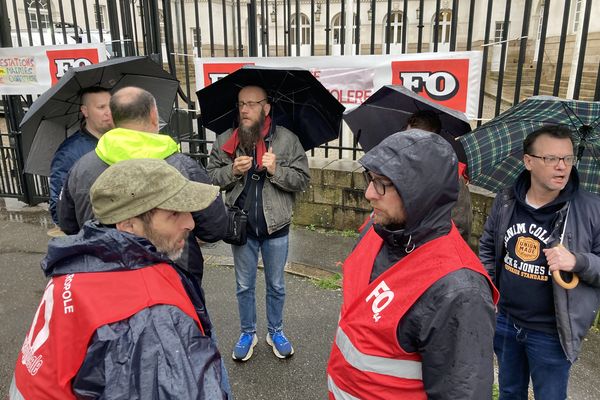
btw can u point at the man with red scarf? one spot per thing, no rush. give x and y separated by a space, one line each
417 319
261 167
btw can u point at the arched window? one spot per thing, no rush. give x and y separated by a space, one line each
44 21
443 28
393 35
337 29
304 29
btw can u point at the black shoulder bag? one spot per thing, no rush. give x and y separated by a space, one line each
237 218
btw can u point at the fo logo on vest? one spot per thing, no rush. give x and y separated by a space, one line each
383 297
33 342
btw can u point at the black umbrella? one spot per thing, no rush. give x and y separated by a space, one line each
388 109
298 101
55 114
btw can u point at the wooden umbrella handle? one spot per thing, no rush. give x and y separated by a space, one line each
567 285
561 282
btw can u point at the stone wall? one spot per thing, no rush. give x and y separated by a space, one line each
335 198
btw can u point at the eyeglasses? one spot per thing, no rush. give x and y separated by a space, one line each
250 104
378 184
552 161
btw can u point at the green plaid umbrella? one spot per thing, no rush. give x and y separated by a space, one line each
495 149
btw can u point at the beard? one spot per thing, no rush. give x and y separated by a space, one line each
249 135
166 245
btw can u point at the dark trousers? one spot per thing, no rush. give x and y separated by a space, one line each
523 353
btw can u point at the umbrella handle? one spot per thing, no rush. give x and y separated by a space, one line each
562 283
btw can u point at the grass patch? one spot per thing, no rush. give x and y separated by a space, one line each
349 233
334 282
495 392
311 227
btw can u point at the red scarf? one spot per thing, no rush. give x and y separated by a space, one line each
233 142
462 171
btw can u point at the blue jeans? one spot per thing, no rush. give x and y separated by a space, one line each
245 258
525 352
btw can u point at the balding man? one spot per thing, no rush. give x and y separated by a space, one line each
136 136
260 166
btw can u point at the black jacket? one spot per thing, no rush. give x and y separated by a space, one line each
67 154
160 352
576 308
452 324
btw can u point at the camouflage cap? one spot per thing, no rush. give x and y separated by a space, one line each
132 187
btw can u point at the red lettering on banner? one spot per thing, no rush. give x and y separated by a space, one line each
60 61
442 81
351 96
213 71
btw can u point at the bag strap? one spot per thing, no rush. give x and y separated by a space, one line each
255 178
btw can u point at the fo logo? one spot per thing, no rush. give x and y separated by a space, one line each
215 71
445 81
62 60
440 85
36 336
383 296
63 65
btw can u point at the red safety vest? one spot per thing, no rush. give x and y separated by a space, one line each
366 361
72 308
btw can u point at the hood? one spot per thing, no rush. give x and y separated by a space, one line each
423 168
97 248
523 183
124 144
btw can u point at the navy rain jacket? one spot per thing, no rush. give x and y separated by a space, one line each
190 369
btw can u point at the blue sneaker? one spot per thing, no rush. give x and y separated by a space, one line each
243 349
281 345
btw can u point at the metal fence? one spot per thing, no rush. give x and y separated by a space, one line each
529 47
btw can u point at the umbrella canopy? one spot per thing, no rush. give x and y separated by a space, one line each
55 114
298 101
387 111
495 149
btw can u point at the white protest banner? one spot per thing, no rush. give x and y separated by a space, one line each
32 70
451 79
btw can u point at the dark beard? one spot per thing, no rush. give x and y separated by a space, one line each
249 136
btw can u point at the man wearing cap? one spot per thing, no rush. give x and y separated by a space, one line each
118 318
136 136
417 319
